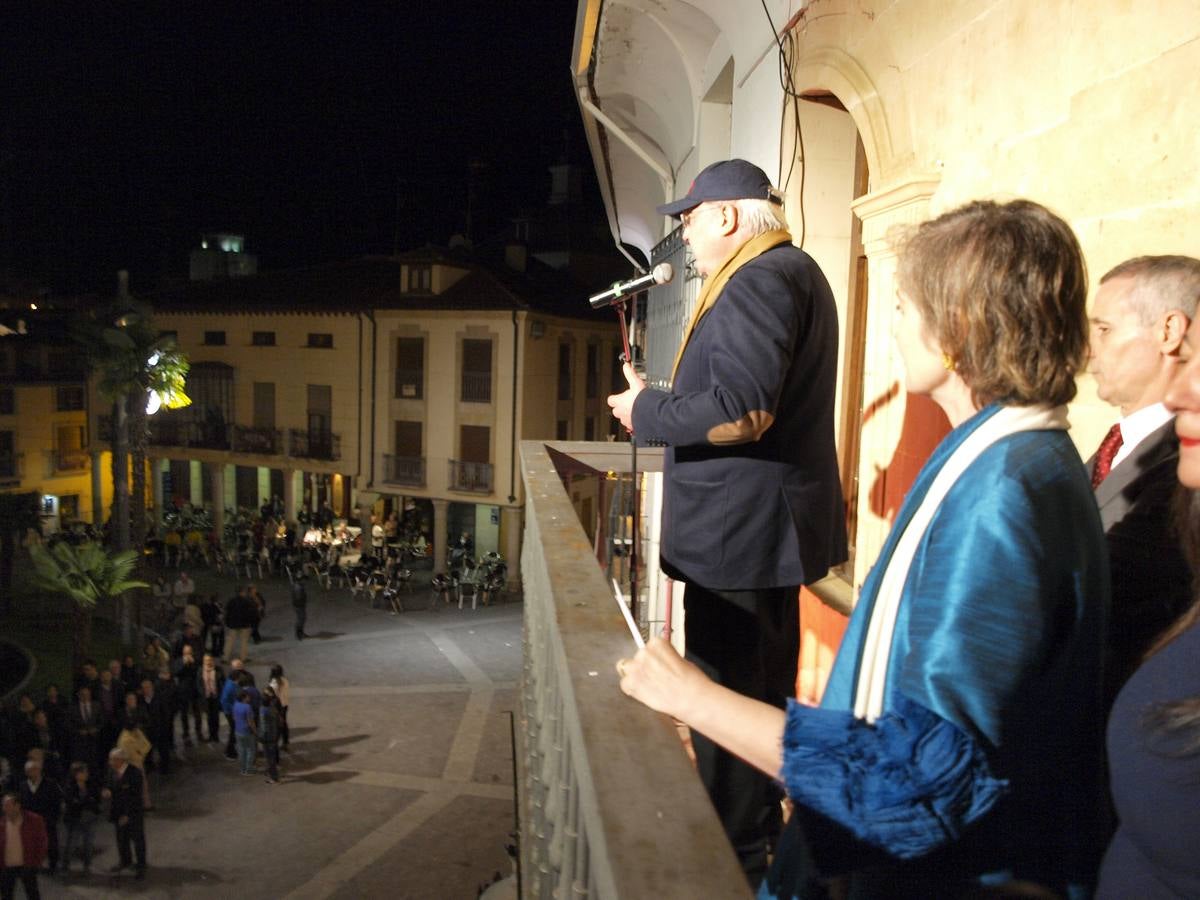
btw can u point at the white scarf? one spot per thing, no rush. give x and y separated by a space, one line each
877 646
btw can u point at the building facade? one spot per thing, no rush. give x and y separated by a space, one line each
377 386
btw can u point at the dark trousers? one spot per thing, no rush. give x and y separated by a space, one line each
230 750
132 835
163 743
52 840
271 750
748 641
285 733
8 882
212 706
301 618
189 707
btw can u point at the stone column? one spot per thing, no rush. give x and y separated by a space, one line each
512 533
441 509
289 496
97 488
217 479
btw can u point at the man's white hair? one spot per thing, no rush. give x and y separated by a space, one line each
760 216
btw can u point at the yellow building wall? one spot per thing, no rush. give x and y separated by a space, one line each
290 365
35 424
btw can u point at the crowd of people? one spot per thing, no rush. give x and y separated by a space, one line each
65 762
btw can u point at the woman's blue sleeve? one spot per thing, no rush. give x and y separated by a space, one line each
907 784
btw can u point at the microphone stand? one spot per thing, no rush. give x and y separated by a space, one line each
620 307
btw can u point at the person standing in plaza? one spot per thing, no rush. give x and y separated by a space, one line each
125 788
259 610
81 809
22 848
300 604
43 796
187 699
209 682
239 619
269 722
244 731
752 505
282 688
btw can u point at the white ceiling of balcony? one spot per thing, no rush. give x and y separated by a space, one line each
652 62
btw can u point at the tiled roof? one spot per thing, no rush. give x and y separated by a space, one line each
374 283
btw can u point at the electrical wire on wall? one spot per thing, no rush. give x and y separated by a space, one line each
787 49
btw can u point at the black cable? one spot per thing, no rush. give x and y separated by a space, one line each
789 95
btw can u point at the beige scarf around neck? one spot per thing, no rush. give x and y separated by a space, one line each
715 283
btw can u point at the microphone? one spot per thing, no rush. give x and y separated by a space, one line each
660 274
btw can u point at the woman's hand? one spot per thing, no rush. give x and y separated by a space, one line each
662 679
666 682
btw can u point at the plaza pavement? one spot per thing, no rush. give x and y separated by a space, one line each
400 779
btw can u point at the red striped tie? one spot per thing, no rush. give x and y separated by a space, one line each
1105 455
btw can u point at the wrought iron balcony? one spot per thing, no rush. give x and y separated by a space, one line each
408 470
477 387
168 431
472 477
610 805
171 432
314 444
253 439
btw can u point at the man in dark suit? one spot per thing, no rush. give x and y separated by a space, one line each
158 703
124 788
86 720
752 501
1138 321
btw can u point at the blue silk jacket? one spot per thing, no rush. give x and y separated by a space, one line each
985 764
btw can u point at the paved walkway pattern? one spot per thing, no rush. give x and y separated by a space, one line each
400 779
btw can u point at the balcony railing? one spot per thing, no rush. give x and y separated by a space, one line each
409 470
168 432
477 387
473 477
314 444
297 442
610 806
71 460
251 439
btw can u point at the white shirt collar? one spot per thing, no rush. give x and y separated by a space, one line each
1139 425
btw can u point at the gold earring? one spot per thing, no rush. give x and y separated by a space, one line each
948 362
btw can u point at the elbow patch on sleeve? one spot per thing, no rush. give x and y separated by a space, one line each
747 429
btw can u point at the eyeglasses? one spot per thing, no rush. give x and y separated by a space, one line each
687 217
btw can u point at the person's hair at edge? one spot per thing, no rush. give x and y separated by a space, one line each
1181 718
277 671
1164 283
1002 288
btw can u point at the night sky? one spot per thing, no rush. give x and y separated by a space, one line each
126 131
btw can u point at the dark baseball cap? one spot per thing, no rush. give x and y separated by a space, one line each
730 179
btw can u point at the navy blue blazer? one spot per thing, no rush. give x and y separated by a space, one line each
752 497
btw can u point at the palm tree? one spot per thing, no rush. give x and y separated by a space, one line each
88 575
137 367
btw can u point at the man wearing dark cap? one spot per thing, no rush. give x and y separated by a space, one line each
752 504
